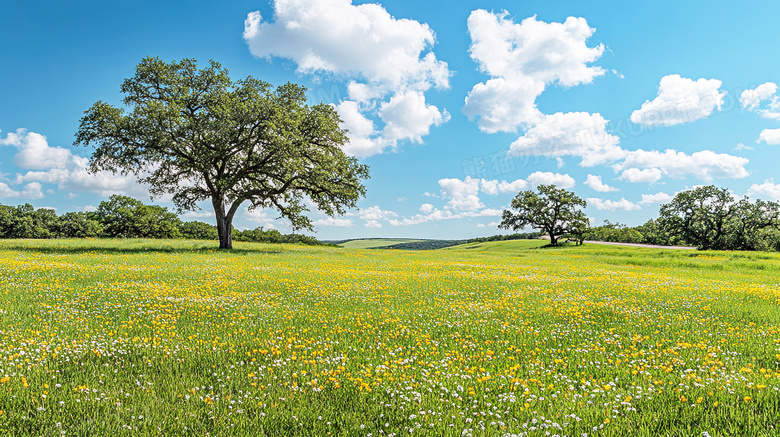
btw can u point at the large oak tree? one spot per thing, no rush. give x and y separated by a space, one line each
552 210
198 135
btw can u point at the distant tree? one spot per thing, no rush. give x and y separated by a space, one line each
199 231
7 221
24 221
653 233
45 223
579 229
79 225
125 217
198 135
699 216
552 210
751 225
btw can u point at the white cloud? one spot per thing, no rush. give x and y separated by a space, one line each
680 100
768 190
548 178
741 146
376 213
613 205
649 175
362 140
570 134
259 216
463 195
502 105
203 214
493 187
595 183
648 199
56 165
407 116
751 99
427 208
29 191
522 59
770 136
334 222
34 151
383 55
705 165
547 52
372 224
447 214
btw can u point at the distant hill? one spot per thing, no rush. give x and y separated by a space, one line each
423 244
373 243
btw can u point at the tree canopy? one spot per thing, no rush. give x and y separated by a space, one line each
198 135
710 218
552 210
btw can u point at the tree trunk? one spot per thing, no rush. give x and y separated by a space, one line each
224 225
553 240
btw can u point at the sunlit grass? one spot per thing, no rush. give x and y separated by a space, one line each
147 337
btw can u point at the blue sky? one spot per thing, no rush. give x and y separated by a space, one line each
456 106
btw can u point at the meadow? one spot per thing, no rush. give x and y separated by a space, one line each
142 337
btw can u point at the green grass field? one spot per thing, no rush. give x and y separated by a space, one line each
493 339
375 243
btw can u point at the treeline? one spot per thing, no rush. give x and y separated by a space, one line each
704 217
123 217
520 236
439 244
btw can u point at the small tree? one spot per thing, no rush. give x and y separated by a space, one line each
579 229
199 135
199 231
125 217
552 210
79 225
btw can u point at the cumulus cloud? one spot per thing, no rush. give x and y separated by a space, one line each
384 57
648 175
334 222
407 116
548 178
376 213
427 208
612 205
680 100
770 136
372 224
34 151
493 187
59 166
502 105
570 134
373 214
522 59
547 52
648 199
29 191
769 190
594 182
705 165
752 98
446 214
463 195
